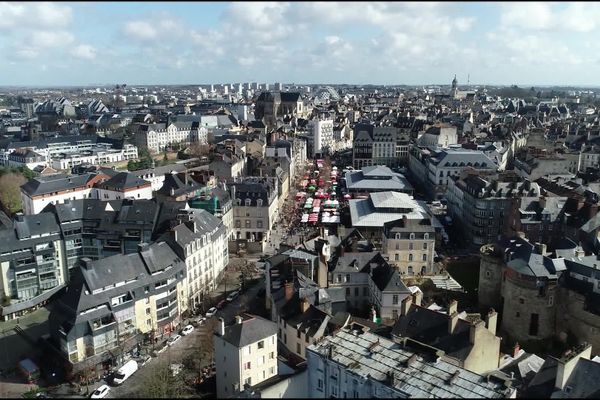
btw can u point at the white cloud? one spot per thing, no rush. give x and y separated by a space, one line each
23 16
84 51
141 30
45 39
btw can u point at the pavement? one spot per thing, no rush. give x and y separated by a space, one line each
13 347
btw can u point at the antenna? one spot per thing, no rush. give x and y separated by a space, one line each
468 79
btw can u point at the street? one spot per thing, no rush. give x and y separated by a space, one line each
201 336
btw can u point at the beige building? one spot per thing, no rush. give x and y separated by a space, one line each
410 246
245 354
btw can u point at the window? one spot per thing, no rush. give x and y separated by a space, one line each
248 381
272 370
425 246
347 278
339 278
424 257
550 301
426 236
356 291
488 274
259 224
261 360
518 314
299 334
320 384
397 246
521 300
298 349
412 236
147 311
533 324
247 365
271 355
261 344
395 299
247 223
365 291
285 338
347 291
410 246
410 257
279 333
396 257
395 314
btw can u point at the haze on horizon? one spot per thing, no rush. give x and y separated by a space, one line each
78 44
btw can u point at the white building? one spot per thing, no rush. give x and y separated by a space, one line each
322 136
439 135
245 354
201 241
156 137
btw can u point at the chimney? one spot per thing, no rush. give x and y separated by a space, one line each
418 297
289 290
579 252
474 330
515 350
452 307
405 306
567 363
87 263
304 305
221 327
238 319
452 321
142 247
491 320
541 248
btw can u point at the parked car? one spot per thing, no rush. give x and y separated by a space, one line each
211 312
221 304
125 372
187 330
163 348
173 339
101 392
233 295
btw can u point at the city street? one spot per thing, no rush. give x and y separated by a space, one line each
201 336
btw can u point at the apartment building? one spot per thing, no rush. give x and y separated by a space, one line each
374 145
156 137
245 354
322 130
255 209
31 263
200 239
432 168
110 304
410 246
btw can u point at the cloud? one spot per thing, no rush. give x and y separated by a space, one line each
84 51
45 39
23 16
576 17
141 30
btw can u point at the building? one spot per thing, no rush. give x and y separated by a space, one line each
355 363
123 185
376 179
25 158
322 137
200 240
370 283
370 215
55 189
245 354
156 137
471 342
110 304
255 209
439 135
217 201
410 246
32 266
273 105
433 167
374 145
482 205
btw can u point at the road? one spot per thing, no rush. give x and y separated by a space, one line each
202 335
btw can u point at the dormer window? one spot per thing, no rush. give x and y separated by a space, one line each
412 236
426 236
397 236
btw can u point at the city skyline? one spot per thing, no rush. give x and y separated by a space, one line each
77 44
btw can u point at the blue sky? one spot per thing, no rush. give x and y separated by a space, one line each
378 43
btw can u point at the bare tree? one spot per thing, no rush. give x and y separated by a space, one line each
10 191
161 384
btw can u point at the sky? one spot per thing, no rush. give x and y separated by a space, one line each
394 43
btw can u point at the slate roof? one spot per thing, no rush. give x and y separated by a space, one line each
122 181
250 331
373 357
55 183
364 213
377 178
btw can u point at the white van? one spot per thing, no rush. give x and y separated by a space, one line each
125 372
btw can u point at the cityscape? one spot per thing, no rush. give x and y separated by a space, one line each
340 207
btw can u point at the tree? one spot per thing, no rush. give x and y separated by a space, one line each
10 191
161 384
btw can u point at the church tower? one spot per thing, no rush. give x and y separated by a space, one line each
454 86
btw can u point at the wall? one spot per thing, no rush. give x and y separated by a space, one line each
490 278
